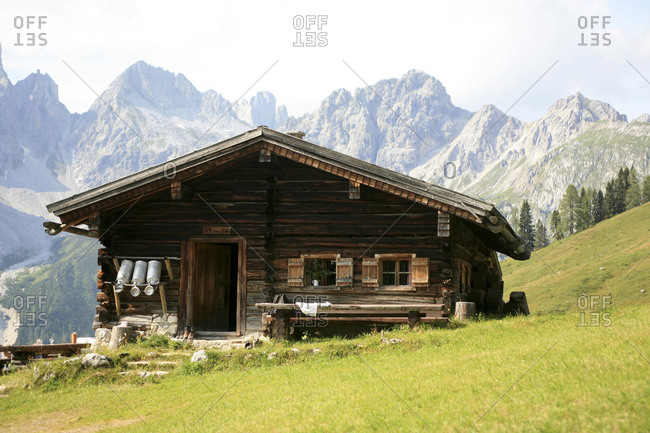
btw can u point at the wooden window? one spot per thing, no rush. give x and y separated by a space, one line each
355 190
444 224
396 272
370 272
320 269
265 155
330 270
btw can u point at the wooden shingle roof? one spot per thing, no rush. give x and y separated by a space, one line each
495 230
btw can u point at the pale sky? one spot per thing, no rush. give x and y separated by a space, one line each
483 52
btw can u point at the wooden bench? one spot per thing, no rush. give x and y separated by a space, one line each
20 354
370 313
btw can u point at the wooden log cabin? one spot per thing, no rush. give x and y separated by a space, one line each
265 214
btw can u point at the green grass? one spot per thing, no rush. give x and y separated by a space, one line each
566 378
542 373
557 275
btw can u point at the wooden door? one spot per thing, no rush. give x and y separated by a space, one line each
213 281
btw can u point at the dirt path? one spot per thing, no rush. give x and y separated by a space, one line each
61 422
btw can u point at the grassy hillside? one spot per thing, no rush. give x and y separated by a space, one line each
52 307
557 275
523 374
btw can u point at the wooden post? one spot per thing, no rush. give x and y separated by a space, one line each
168 265
414 318
465 310
118 306
282 323
163 298
119 336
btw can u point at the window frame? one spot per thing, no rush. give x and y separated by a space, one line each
381 258
331 258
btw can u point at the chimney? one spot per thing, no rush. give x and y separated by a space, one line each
297 134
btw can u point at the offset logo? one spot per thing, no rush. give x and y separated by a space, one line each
593 310
593 31
309 30
30 31
31 310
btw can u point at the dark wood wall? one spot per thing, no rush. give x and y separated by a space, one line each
284 209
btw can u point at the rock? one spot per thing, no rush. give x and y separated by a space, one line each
316 351
272 355
602 268
72 360
4 389
296 351
102 338
642 290
49 376
146 374
172 319
199 356
391 341
95 360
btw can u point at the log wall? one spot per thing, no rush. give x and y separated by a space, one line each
283 209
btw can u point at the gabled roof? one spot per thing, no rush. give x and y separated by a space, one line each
497 233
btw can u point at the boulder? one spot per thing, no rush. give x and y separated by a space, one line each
95 360
199 356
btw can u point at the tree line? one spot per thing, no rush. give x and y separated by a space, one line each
582 209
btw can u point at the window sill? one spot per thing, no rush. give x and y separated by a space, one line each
395 289
327 288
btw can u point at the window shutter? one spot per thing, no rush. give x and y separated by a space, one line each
370 272
344 272
420 269
296 273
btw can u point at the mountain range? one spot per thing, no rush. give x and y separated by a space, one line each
409 124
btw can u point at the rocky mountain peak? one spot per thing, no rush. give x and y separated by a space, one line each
146 86
40 88
578 107
4 79
261 110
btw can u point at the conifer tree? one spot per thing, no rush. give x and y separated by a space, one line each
633 194
598 207
556 225
583 214
526 228
610 199
622 184
541 240
569 209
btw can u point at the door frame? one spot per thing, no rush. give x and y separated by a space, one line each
186 294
